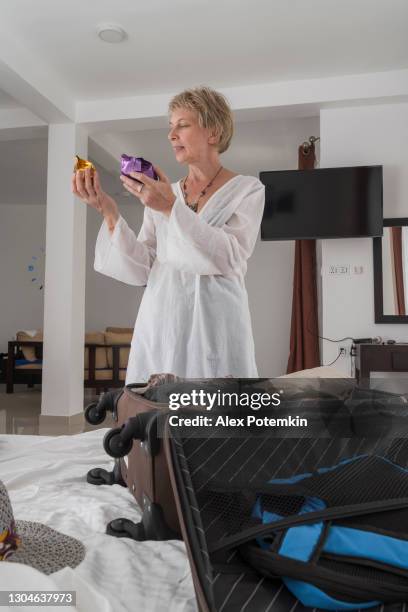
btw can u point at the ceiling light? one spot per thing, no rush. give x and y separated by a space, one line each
111 33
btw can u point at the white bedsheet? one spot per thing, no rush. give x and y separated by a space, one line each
45 477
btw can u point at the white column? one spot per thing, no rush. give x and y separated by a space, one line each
64 297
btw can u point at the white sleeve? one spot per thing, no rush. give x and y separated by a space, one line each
122 255
195 246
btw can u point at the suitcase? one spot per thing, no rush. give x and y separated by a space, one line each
140 462
216 487
143 467
205 488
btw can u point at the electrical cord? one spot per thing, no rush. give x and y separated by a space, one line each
331 363
340 353
324 337
330 340
334 341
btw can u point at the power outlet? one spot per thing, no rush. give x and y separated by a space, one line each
343 351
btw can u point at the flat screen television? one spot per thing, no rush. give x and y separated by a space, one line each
323 203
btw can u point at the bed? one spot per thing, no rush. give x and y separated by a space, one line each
45 477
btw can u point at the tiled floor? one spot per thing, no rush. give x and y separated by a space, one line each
20 413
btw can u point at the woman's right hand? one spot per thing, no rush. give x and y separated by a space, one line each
88 188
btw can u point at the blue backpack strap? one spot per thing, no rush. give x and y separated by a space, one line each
351 542
313 597
300 543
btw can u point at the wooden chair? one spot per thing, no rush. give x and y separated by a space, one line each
30 373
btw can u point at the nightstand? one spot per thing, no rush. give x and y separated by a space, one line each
380 358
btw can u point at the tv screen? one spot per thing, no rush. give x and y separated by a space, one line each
322 203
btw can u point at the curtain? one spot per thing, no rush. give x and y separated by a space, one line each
404 232
396 233
304 333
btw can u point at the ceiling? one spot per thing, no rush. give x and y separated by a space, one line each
172 45
175 44
7 101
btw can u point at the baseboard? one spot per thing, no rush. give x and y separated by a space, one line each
60 425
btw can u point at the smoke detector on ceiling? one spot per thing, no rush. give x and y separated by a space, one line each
111 33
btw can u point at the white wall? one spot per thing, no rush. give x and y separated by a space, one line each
359 136
22 235
109 302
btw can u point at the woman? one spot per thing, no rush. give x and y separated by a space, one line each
191 251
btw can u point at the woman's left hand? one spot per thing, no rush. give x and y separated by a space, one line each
157 195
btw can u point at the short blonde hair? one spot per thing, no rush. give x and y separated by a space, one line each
213 111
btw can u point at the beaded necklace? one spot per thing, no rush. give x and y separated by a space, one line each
194 205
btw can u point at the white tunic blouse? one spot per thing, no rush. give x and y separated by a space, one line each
194 318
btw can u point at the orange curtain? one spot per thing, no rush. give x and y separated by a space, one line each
304 339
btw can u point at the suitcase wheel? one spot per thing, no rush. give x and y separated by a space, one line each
114 444
94 415
99 476
124 528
